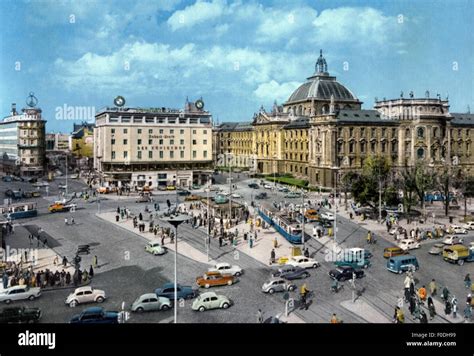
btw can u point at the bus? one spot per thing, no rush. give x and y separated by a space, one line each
19 210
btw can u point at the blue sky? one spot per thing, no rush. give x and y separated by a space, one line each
236 54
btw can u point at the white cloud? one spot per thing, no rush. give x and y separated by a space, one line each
354 25
199 12
273 90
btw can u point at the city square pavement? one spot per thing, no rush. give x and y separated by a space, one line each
127 271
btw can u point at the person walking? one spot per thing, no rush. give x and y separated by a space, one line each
95 261
334 319
259 316
66 222
220 240
433 287
431 308
5 281
400 316
467 281
91 271
272 256
275 242
467 313
56 260
422 293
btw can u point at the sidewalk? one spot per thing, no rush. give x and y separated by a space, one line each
365 311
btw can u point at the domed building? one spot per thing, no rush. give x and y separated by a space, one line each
321 132
314 96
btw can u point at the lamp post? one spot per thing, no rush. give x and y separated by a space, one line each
176 220
303 225
208 239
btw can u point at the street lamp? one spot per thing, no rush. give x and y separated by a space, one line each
176 220
208 219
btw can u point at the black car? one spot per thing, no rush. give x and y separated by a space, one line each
290 272
184 193
344 273
14 194
83 250
254 185
20 315
96 315
262 195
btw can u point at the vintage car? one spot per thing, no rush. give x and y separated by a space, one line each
150 302
85 295
193 197
211 300
19 315
436 249
291 272
393 251
212 279
96 315
344 273
60 207
155 248
19 293
183 292
303 262
226 268
277 284
408 244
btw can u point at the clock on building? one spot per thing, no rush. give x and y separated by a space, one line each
119 101
199 104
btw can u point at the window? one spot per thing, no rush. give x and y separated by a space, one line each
372 147
171 154
150 131
112 141
435 132
112 131
139 154
139 131
420 132
171 132
204 132
161 154
384 132
160 141
351 147
150 141
113 154
373 133
205 154
205 142
181 132
351 132
362 131
194 154
181 154
150 154
383 146
161 131
125 154
181 142
125 131
139 141
394 132
194 132
362 147
171 142
420 153
194 142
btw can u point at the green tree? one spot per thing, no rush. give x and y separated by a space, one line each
424 182
346 182
406 181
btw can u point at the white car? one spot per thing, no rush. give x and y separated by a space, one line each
469 225
227 268
327 216
267 186
19 293
85 295
408 244
303 262
458 229
452 240
62 186
150 302
236 196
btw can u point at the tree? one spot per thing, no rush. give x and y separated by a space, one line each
347 181
424 181
365 186
447 180
406 181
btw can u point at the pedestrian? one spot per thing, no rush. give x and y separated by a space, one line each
334 319
251 243
45 242
68 278
26 255
454 303
469 299
412 288
220 240
431 308
412 306
272 256
467 281
306 252
422 293
66 222
468 312
433 287
91 271
162 240
56 260
140 217
445 294
95 261
423 317
117 217
72 221
275 242
65 261
259 316
5 280
118 210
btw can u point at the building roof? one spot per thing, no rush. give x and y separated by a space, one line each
462 119
298 123
321 86
363 116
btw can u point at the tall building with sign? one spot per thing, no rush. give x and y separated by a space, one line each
153 146
22 140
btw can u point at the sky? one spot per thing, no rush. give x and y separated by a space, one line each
237 55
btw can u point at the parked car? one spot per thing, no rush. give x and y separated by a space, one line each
327 216
170 187
143 198
192 197
291 272
31 194
453 240
456 229
212 279
436 249
268 186
277 284
195 186
221 199
226 268
404 263
19 293
210 300
344 273
150 302
19 315
236 196
184 193
262 195
468 226
96 315
155 248
408 244
253 185
85 295
7 178
13 194
183 292
283 189
293 195
393 251
303 262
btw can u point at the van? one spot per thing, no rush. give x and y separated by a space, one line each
400 264
458 254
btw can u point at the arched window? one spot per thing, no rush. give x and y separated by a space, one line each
435 132
420 153
300 110
407 133
420 132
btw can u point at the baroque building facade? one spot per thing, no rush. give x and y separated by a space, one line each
321 132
